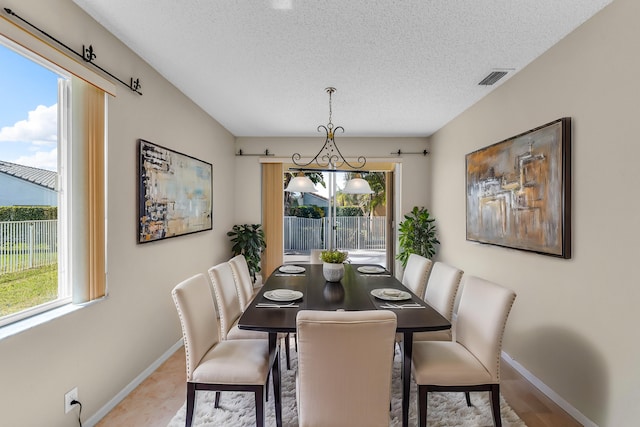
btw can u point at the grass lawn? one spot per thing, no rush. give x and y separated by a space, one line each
28 288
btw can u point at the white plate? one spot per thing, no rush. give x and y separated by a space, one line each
291 269
389 294
283 295
371 269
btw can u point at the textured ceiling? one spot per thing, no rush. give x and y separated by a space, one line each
401 67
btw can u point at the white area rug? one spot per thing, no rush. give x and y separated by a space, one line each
444 409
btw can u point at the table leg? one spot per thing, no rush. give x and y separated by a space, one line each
407 350
274 361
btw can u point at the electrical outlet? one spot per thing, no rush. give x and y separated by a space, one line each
68 398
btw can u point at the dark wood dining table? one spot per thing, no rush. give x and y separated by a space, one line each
353 292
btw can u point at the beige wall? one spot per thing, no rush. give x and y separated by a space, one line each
574 323
103 347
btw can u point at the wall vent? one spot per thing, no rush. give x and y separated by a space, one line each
492 78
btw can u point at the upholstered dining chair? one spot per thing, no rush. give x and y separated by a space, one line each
472 361
416 274
213 364
243 281
442 288
344 367
228 301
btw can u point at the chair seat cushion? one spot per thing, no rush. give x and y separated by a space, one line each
235 333
447 364
234 362
432 336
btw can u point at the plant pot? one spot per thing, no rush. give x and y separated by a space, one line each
332 272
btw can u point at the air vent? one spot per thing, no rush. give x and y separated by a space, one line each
492 78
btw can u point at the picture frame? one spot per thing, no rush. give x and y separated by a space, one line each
174 193
518 191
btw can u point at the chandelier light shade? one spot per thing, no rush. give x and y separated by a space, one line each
357 185
301 184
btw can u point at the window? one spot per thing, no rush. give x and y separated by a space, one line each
52 127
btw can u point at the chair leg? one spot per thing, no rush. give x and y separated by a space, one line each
287 350
468 397
295 341
191 401
495 404
216 403
422 405
259 397
266 396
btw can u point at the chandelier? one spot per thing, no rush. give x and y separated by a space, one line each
328 159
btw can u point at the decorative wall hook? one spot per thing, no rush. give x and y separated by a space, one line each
88 54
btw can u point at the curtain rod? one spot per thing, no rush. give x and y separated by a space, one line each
88 54
400 152
242 153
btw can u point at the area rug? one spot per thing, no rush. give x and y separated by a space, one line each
444 409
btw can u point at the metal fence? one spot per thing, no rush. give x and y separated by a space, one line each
352 232
27 244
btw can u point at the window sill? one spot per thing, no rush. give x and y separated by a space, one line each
39 319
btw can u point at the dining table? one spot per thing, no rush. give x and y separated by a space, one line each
291 288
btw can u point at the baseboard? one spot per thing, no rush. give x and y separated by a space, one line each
570 409
95 418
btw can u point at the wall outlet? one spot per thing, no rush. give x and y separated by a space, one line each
68 398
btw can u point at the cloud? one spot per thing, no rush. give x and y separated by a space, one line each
41 159
40 128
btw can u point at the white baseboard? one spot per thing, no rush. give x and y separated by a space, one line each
95 418
577 415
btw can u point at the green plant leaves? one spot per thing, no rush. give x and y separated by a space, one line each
417 235
248 240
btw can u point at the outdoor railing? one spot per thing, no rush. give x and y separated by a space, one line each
27 244
352 232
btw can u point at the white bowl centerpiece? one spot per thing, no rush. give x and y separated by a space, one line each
333 264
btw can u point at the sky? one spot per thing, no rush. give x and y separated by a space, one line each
28 111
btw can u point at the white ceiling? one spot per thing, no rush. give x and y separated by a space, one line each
401 67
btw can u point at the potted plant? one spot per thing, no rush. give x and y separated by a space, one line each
332 264
417 235
248 240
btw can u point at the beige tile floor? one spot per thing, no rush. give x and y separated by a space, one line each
155 401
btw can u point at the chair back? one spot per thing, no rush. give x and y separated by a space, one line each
416 274
242 278
482 316
314 256
224 288
442 288
198 318
344 367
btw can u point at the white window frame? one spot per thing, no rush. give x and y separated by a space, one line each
65 290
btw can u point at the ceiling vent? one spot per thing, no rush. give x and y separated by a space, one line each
492 78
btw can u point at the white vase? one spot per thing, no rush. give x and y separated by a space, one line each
332 272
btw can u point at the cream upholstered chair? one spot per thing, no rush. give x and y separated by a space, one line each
344 367
242 278
212 364
415 277
416 274
472 361
228 301
314 256
442 288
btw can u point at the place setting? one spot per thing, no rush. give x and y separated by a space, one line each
373 270
393 298
280 298
290 270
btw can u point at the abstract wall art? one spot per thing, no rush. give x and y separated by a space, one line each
174 193
519 191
